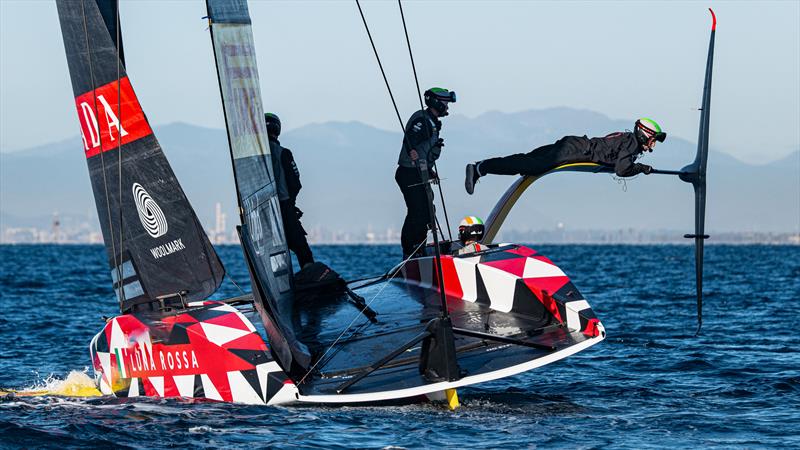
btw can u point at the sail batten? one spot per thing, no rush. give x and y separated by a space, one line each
262 235
153 238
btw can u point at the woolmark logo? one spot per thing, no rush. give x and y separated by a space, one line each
150 213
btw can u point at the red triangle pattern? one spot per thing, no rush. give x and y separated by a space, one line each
251 341
514 266
231 320
524 251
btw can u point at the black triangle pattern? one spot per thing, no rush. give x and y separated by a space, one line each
499 256
569 292
199 392
252 379
203 315
179 334
254 357
525 302
274 383
480 287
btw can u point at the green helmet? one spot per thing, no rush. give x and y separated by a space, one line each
646 129
438 98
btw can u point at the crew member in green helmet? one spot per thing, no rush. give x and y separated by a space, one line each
616 150
421 142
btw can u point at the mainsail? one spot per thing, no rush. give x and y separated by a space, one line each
262 236
156 246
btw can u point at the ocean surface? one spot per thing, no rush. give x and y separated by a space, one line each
650 384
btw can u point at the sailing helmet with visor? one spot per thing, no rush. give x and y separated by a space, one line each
438 99
647 131
273 124
470 230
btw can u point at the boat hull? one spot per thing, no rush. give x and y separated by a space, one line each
212 351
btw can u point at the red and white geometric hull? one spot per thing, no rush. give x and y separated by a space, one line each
210 351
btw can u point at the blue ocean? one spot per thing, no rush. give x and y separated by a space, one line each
651 384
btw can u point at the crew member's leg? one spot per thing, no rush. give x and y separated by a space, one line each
295 234
415 226
535 162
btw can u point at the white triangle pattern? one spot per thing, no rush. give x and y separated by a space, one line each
105 365
221 335
241 391
158 385
535 268
209 389
117 336
133 390
500 287
465 269
185 384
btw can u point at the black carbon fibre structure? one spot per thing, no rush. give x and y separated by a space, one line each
262 236
154 242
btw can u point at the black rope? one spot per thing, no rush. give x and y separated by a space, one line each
410 54
117 267
385 80
421 106
119 156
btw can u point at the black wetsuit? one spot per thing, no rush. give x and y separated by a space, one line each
422 135
617 150
287 178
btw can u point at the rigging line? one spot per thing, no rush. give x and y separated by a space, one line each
366 305
119 154
410 54
236 284
391 95
422 106
117 267
380 65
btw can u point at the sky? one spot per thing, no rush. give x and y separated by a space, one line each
622 59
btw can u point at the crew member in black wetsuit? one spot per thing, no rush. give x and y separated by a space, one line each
287 179
420 143
617 150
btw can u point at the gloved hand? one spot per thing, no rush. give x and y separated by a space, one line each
439 143
298 212
647 169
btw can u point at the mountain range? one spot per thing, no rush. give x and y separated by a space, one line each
347 170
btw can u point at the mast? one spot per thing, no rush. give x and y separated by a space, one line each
164 252
261 232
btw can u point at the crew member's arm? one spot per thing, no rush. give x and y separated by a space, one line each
626 165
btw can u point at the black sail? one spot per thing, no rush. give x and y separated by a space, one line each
262 236
156 246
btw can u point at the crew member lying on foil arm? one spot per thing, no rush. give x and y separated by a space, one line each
470 233
617 150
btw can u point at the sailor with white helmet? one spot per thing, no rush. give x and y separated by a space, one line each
616 150
470 233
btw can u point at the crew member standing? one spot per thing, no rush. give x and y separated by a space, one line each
287 180
421 142
616 150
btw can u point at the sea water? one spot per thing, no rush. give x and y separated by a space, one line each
651 383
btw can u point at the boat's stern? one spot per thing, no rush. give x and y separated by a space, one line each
513 279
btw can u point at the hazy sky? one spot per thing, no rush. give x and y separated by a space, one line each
623 59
